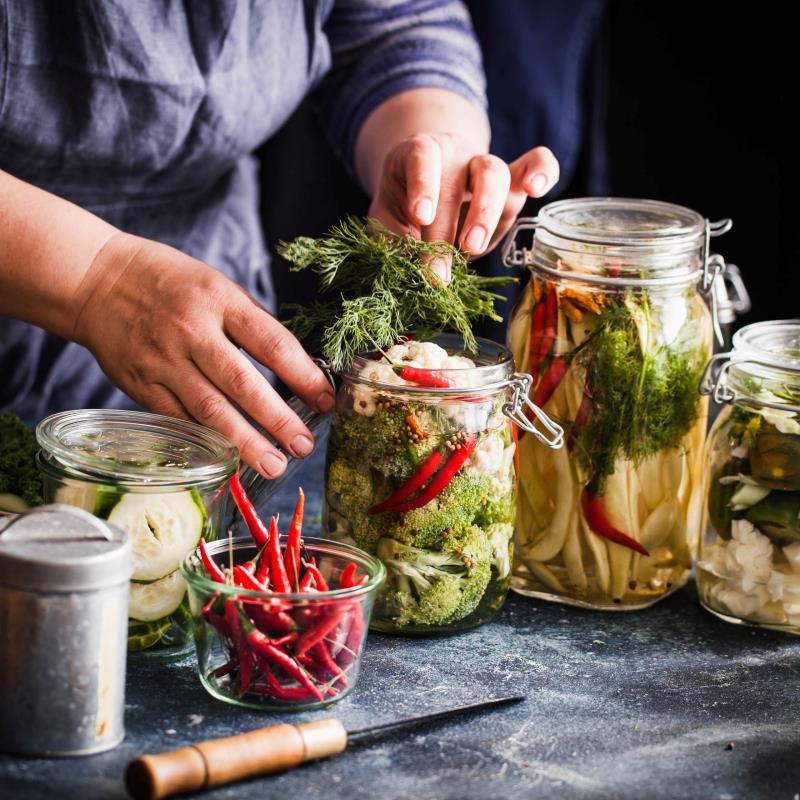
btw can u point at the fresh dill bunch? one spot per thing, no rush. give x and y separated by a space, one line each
381 288
644 399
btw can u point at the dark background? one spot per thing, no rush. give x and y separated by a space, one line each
700 109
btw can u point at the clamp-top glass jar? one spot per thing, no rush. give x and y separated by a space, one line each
160 479
421 473
748 568
615 331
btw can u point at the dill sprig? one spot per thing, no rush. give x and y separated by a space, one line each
644 394
381 289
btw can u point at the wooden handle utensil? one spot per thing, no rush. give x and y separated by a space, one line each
219 761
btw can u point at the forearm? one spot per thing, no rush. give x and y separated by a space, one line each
432 111
48 246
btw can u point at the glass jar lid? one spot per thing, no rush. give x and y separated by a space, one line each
619 242
762 369
135 447
622 221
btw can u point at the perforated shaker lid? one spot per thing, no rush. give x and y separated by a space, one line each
60 548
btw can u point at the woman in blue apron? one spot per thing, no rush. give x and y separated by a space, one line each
133 269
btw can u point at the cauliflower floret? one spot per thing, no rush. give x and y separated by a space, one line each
425 355
748 555
487 457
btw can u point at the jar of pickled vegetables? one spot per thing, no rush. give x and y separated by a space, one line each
748 568
421 472
615 331
160 479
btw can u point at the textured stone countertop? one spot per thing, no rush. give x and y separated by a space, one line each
669 703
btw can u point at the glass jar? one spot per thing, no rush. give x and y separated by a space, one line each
420 472
615 332
748 568
160 479
219 656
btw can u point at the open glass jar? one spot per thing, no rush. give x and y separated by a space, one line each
748 568
614 330
420 472
160 479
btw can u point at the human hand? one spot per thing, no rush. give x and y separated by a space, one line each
437 187
167 329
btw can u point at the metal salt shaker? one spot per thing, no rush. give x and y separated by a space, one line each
63 626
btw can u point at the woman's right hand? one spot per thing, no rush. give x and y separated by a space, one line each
167 329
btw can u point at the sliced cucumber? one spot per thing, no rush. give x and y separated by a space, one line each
148 602
142 635
163 528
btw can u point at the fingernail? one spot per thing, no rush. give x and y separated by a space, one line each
301 445
325 402
423 211
272 465
440 266
538 183
475 239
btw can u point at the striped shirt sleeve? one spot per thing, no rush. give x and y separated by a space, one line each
382 47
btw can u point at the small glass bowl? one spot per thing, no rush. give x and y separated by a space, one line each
345 611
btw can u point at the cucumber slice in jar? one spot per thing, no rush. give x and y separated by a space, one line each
163 528
148 602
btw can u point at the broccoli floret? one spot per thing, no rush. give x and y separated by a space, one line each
433 587
19 474
496 511
454 508
349 494
385 441
500 536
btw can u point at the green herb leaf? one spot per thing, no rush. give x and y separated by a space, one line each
382 288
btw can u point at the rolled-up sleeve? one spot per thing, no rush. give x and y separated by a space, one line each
382 47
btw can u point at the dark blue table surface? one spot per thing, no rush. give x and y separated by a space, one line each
666 703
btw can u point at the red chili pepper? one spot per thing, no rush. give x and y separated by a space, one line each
262 573
537 332
307 582
286 639
550 381
352 641
248 511
424 377
220 672
320 652
274 689
292 553
277 569
348 575
515 438
441 479
316 632
237 634
267 620
426 469
321 583
247 581
262 645
215 573
599 523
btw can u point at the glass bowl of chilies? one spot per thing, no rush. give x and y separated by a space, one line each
280 626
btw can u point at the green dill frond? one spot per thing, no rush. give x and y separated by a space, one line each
383 289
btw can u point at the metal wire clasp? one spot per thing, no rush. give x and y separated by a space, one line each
520 384
514 256
714 382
